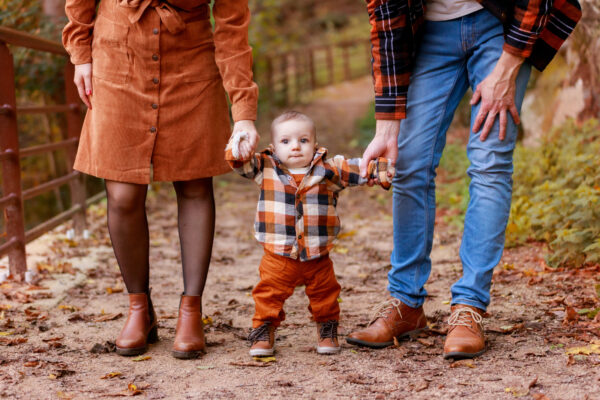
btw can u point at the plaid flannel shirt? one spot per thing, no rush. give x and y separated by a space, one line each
533 29
300 221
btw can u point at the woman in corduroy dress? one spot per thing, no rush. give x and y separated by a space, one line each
154 75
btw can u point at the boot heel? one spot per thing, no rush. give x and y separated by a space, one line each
153 335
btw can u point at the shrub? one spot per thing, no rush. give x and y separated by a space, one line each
557 195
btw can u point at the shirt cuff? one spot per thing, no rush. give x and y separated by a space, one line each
243 111
80 54
518 41
390 107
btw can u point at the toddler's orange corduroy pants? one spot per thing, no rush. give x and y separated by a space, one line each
280 275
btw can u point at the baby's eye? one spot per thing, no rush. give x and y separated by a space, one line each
304 140
284 141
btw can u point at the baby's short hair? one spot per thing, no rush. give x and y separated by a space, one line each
293 115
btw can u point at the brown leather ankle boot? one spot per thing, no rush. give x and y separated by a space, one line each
140 327
189 335
465 338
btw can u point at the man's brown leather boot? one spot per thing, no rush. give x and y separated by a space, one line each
465 337
140 327
262 340
393 319
189 334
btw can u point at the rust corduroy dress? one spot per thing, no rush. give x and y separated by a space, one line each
159 75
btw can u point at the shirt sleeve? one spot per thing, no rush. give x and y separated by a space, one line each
77 34
251 169
233 56
524 27
348 172
391 49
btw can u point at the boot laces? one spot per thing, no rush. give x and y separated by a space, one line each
463 316
383 309
260 334
328 329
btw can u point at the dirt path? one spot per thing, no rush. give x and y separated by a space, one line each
67 352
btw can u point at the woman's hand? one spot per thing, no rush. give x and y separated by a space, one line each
247 147
83 81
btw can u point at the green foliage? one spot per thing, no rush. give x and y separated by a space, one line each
557 195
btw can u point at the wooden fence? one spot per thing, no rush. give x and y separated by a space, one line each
285 77
11 154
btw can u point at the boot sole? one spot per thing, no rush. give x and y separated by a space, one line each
328 350
381 345
460 355
136 351
187 355
261 352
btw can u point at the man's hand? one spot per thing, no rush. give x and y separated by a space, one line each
83 81
497 95
247 147
384 144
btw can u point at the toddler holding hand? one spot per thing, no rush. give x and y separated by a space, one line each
296 222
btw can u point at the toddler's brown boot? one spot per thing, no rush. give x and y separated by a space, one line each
262 340
328 337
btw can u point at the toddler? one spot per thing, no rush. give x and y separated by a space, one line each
296 222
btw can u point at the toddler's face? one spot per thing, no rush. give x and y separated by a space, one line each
294 143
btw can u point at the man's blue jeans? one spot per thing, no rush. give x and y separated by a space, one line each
453 55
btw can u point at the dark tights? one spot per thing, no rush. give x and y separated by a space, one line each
128 228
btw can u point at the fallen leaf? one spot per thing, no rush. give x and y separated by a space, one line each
422 386
111 290
249 364
141 358
346 234
204 367
31 364
462 363
207 320
51 376
539 396
5 333
446 302
340 249
426 342
265 359
111 375
570 315
517 392
593 348
68 307
107 317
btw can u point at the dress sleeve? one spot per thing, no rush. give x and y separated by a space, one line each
77 34
233 56
523 29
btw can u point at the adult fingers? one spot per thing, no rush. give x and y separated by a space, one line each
489 123
81 90
503 121
483 111
515 113
476 96
368 155
87 80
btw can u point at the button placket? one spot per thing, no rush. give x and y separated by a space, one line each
154 71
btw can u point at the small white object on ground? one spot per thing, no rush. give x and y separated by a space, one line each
70 234
29 275
86 234
4 275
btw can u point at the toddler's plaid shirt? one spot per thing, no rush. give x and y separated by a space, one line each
300 222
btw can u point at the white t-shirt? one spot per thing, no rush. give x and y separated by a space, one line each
444 10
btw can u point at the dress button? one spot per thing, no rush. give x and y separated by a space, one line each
155 106
299 236
155 57
155 80
155 31
153 129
